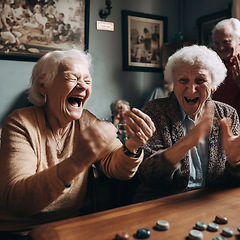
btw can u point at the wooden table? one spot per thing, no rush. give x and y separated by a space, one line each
182 211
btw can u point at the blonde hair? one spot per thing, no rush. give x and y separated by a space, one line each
47 67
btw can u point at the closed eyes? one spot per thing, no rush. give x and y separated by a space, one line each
74 78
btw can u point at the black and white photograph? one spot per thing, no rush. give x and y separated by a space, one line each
143 37
31 28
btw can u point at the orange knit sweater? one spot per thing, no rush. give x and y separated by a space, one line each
30 191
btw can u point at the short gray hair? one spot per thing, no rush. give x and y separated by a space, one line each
233 22
48 66
113 105
195 54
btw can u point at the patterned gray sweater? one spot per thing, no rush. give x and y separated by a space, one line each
158 177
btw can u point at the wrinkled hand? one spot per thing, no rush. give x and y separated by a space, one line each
202 129
236 70
139 127
177 151
93 141
230 142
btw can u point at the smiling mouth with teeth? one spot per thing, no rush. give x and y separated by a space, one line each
191 100
74 101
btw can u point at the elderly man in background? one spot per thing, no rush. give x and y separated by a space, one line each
226 38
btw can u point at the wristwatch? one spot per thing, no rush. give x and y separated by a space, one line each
131 154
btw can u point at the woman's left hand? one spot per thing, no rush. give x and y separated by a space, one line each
139 127
230 143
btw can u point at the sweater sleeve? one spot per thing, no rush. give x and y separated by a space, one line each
156 173
116 164
19 177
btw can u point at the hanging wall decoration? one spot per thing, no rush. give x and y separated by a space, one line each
30 28
143 38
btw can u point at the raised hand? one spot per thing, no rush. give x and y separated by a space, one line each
178 150
140 128
236 70
230 143
202 129
93 142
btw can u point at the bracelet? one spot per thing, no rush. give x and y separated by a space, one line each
131 154
236 161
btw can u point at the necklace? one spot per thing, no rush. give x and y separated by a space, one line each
59 148
58 140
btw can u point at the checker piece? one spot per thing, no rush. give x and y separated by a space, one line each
201 226
195 235
162 225
213 227
143 233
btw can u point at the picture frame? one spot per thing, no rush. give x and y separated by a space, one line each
143 36
31 28
205 25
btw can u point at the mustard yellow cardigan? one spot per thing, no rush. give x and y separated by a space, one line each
30 191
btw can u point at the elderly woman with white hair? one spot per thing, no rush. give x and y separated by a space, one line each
186 151
47 149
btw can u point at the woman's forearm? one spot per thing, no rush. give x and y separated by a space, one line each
176 152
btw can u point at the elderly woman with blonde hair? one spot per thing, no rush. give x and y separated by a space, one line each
47 150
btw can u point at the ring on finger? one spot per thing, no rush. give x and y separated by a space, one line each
138 134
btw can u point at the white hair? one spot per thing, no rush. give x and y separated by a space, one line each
114 104
47 67
205 57
232 24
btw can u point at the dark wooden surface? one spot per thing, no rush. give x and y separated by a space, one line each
182 211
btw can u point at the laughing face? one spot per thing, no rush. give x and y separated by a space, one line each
70 90
192 86
225 44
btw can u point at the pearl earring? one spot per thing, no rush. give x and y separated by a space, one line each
45 98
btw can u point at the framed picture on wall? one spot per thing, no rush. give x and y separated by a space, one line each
143 36
31 28
206 24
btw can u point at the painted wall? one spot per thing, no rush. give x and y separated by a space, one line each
194 9
109 81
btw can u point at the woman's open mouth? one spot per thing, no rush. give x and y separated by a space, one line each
75 101
191 100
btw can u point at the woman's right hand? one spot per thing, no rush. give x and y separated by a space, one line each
176 153
203 127
93 141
